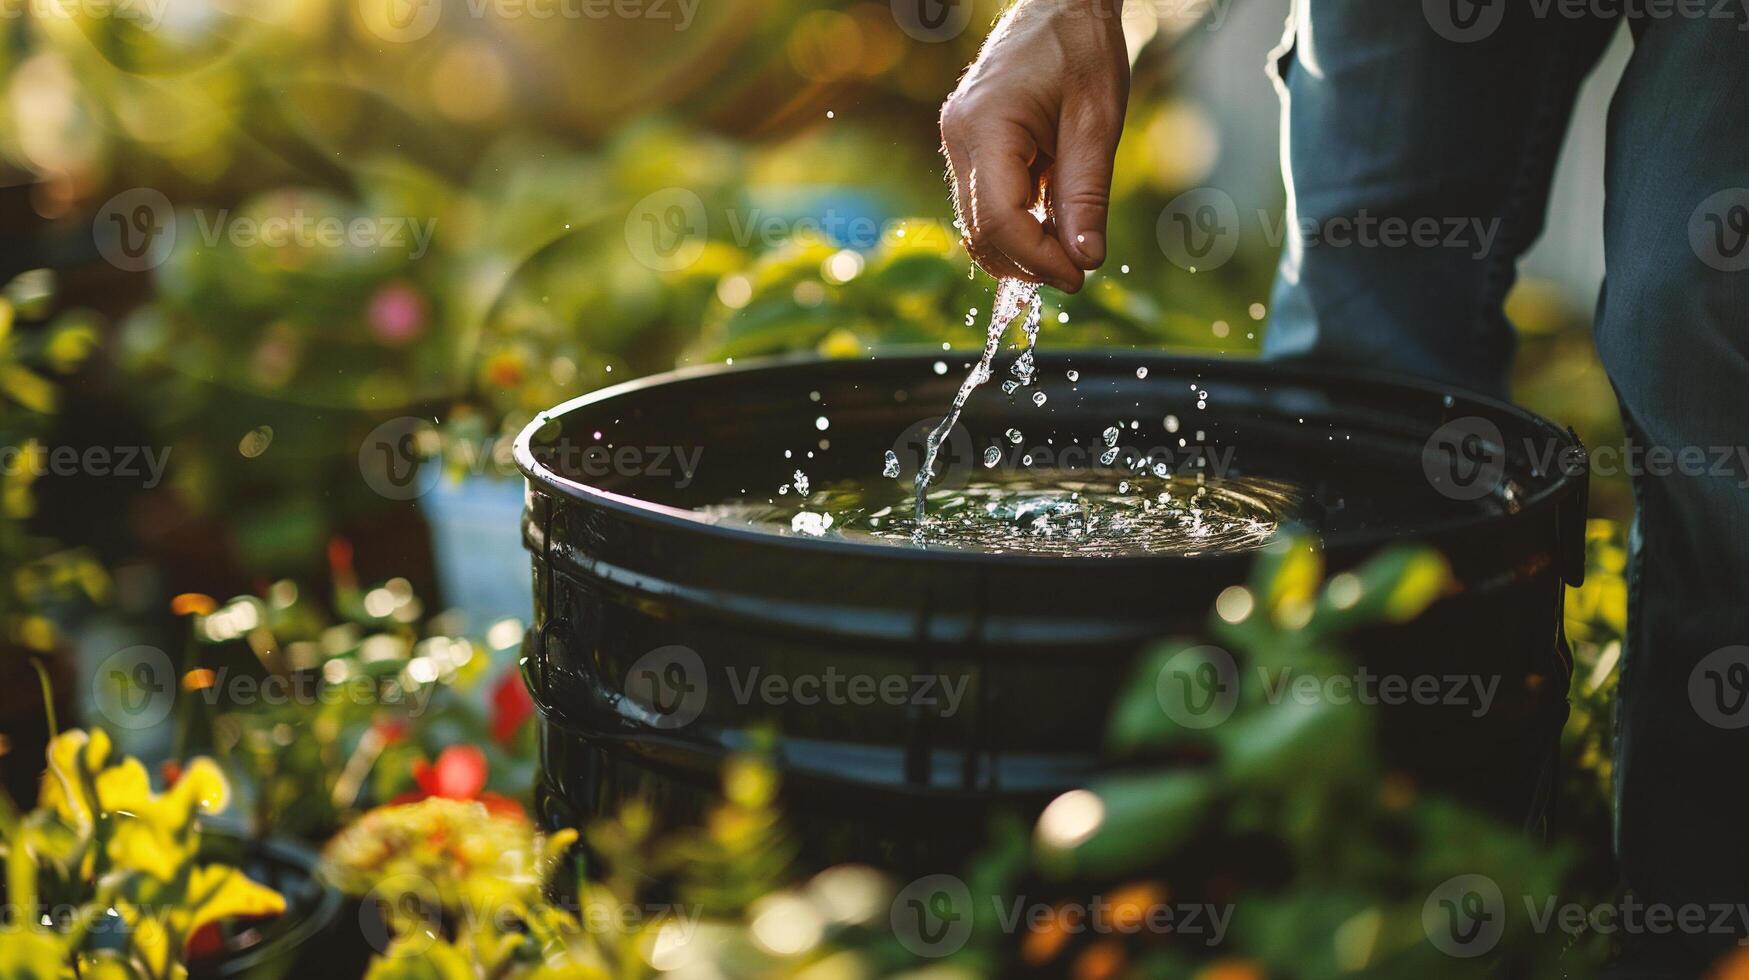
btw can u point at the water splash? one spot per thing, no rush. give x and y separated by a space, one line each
1044 512
1012 295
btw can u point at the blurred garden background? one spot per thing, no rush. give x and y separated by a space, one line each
244 239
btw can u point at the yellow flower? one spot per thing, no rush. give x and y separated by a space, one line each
150 833
29 954
215 892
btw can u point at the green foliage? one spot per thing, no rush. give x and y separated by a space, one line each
318 715
36 345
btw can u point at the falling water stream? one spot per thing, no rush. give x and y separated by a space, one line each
1011 296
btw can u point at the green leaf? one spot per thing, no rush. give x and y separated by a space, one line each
1139 819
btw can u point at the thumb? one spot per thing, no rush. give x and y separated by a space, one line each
1087 139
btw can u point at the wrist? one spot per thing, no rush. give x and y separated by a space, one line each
1109 12
1102 8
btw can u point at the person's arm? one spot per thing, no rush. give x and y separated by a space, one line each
1036 119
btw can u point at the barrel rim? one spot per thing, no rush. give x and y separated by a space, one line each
678 519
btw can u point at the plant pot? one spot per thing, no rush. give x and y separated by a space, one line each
318 935
481 566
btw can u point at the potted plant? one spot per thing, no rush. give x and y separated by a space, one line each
108 877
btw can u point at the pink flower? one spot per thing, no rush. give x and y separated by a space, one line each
397 313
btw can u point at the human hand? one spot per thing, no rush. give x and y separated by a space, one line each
1029 137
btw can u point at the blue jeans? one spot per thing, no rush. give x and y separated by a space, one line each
1453 110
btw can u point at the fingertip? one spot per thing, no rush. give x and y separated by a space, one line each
1087 249
1068 284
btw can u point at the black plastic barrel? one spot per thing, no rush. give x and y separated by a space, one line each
650 617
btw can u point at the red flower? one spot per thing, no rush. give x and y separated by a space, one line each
391 730
459 774
511 706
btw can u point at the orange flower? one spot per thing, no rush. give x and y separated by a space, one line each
1733 967
1231 970
1044 941
1101 961
193 604
1131 904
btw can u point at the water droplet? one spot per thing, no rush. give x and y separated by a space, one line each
1014 436
1009 387
1106 458
940 367
1171 423
822 423
992 456
890 468
1038 398
1110 435
801 483
1074 375
810 524
1141 373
